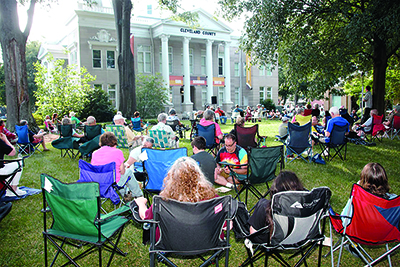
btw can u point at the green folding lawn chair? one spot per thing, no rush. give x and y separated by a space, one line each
77 220
119 132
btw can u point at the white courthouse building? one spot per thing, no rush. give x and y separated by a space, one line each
199 66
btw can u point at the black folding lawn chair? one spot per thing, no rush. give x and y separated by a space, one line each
297 217
189 230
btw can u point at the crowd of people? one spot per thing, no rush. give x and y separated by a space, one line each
192 179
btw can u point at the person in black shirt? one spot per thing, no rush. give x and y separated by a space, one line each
7 149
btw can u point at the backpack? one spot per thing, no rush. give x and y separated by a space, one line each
241 227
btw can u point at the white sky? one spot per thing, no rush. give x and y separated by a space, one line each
48 22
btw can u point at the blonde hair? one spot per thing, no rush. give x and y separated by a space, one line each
186 182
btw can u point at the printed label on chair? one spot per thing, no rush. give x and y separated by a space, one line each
218 208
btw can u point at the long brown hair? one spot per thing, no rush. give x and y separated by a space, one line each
285 181
186 182
374 179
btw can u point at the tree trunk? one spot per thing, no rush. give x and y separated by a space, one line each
13 44
379 76
127 89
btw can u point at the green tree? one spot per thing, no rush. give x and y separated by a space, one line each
62 90
321 41
151 95
98 105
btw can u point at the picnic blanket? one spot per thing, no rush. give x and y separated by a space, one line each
29 192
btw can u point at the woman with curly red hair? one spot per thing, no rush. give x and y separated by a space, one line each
184 182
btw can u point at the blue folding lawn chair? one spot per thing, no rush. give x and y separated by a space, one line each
156 167
104 175
298 142
208 132
25 146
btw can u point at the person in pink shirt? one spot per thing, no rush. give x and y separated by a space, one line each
108 152
208 119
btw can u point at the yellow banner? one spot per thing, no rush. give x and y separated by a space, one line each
248 71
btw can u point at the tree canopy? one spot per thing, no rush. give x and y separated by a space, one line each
321 42
151 95
64 89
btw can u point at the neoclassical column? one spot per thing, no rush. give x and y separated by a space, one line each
227 103
165 61
187 104
210 87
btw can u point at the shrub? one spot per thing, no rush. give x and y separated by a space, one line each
268 104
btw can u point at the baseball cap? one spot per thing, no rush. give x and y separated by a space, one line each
285 118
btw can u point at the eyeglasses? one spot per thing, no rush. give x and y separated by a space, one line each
230 145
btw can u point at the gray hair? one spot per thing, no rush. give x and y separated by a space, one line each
91 119
208 115
66 121
334 110
162 117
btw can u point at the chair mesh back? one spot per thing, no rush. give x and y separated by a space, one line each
246 136
377 119
66 130
74 206
299 137
22 132
172 124
91 131
119 132
208 132
162 138
263 162
136 125
338 135
104 175
375 220
296 216
191 228
396 122
158 164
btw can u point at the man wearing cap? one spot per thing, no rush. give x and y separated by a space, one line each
395 112
283 127
120 120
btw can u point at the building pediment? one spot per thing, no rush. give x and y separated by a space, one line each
209 27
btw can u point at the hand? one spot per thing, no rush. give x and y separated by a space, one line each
3 137
227 170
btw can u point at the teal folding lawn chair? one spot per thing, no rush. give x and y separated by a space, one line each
77 221
92 136
67 144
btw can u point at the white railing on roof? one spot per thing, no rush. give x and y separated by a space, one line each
95 8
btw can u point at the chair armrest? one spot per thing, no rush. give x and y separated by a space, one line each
231 164
135 213
19 160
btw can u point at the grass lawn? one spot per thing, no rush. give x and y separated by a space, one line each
21 231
